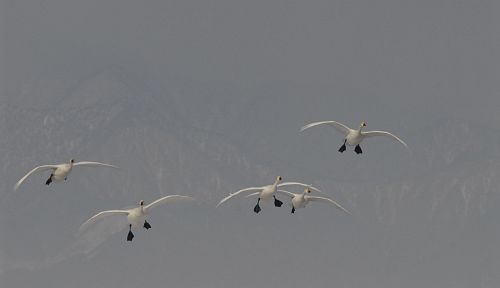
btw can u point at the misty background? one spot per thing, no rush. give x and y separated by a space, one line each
203 98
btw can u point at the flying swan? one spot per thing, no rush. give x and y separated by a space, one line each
135 216
354 137
60 172
301 200
266 192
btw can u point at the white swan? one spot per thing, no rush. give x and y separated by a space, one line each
301 200
60 172
266 192
135 216
354 137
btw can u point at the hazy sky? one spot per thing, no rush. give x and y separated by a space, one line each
203 98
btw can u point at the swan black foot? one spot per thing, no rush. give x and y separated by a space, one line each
293 209
147 225
358 150
256 209
130 235
277 202
49 180
342 148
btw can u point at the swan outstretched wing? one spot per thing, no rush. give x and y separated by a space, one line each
283 192
286 193
327 200
300 184
339 126
231 195
252 194
89 163
165 200
100 216
36 169
384 133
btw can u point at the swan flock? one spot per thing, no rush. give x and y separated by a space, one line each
137 216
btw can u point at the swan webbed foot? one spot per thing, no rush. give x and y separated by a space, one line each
130 235
293 209
277 202
147 225
358 150
257 209
342 148
49 180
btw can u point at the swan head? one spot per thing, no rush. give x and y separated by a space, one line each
72 161
141 203
279 179
363 124
307 190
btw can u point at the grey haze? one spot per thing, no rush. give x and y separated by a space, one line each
202 98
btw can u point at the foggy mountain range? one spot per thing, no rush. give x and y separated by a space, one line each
418 217
203 98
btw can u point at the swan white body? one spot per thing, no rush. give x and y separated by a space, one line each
353 137
60 172
136 217
265 192
301 200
